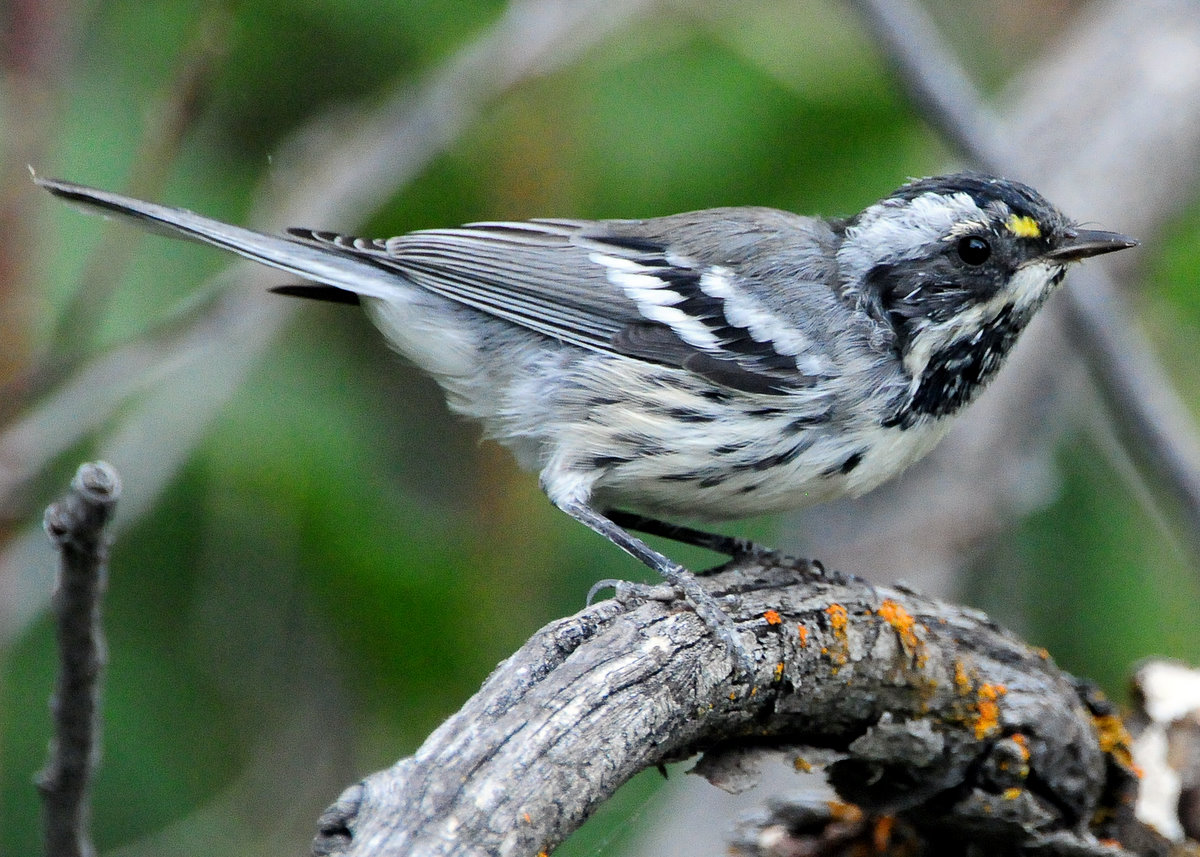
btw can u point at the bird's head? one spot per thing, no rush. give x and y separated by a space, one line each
956 266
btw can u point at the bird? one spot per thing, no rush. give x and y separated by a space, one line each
708 365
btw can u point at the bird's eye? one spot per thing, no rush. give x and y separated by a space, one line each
974 250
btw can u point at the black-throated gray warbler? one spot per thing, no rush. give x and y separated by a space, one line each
713 364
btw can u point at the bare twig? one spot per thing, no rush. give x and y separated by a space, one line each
932 712
1151 418
76 525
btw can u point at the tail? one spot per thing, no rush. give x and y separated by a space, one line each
347 274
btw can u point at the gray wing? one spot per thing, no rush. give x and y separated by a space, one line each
622 287
735 295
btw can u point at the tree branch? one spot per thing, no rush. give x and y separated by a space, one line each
933 712
76 524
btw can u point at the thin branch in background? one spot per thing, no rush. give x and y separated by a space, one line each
175 110
36 41
939 87
1152 420
76 524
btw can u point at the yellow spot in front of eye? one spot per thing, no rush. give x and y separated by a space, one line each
1023 226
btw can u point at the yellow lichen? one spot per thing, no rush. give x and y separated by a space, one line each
1115 741
962 681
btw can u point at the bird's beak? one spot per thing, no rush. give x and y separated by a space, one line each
1083 243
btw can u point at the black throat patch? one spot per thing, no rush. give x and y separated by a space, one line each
958 371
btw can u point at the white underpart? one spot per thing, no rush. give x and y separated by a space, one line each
420 329
1026 289
656 300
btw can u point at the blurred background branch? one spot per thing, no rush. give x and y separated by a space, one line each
308 522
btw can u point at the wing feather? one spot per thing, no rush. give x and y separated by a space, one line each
711 291
619 293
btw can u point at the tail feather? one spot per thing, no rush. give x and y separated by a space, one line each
332 294
336 267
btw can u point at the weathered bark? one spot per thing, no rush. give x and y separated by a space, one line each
934 713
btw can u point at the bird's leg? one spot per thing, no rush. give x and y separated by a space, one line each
702 602
728 545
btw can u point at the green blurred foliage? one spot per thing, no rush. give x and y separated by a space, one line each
340 562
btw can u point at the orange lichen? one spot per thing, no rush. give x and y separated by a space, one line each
905 626
802 765
1023 743
1021 763
778 671
839 618
772 617
839 621
987 709
802 633
894 614
1011 794
528 818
